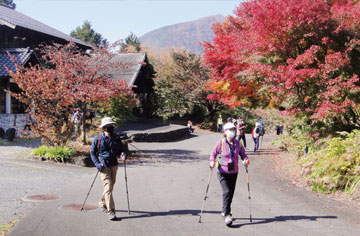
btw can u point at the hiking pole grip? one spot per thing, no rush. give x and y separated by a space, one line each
82 207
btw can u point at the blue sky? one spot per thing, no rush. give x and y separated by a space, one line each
115 19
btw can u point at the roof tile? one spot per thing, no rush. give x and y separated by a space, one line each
21 55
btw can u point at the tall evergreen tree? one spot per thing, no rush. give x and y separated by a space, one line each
131 44
87 34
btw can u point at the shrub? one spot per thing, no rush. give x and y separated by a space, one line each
60 153
208 125
40 151
57 153
337 166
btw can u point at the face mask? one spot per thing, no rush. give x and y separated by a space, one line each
110 129
230 134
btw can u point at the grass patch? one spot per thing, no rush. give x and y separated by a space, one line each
5 228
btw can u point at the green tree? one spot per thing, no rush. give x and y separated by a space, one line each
131 44
87 34
180 85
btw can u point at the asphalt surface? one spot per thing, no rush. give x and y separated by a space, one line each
166 190
20 177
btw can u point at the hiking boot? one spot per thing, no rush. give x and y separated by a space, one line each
103 208
111 215
228 220
223 215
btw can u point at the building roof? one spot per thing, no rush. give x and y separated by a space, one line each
133 62
22 56
14 19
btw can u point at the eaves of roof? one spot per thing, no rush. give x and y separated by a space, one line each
133 63
13 19
21 55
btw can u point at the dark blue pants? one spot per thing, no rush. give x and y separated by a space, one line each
228 183
220 127
256 143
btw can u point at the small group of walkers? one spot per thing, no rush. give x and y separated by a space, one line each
241 127
107 148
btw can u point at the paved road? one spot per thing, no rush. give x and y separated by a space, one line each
20 178
166 191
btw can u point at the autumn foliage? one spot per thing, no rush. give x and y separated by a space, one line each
67 79
302 55
180 85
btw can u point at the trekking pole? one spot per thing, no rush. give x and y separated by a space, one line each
82 208
206 192
248 184
127 192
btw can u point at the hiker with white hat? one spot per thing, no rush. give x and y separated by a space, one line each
105 150
225 156
255 134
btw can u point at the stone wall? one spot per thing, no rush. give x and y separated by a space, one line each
17 121
169 136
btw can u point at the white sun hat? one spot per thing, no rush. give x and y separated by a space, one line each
106 121
257 124
229 126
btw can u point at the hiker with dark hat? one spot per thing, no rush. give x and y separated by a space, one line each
240 131
225 156
105 150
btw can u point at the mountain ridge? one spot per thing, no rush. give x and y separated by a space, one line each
187 34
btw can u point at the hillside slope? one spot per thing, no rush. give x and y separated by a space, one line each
187 34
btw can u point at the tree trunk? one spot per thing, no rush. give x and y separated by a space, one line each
83 124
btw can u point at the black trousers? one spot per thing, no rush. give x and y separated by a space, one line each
239 137
228 183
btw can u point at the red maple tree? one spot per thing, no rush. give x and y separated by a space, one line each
303 55
68 78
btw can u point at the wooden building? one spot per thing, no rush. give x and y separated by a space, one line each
20 35
138 73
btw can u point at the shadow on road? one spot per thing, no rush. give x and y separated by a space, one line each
166 155
280 219
21 142
263 151
142 214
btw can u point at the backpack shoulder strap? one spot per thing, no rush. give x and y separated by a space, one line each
240 144
98 142
218 157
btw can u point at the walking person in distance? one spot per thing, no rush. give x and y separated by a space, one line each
219 124
225 156
105 150
255 134
240 131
